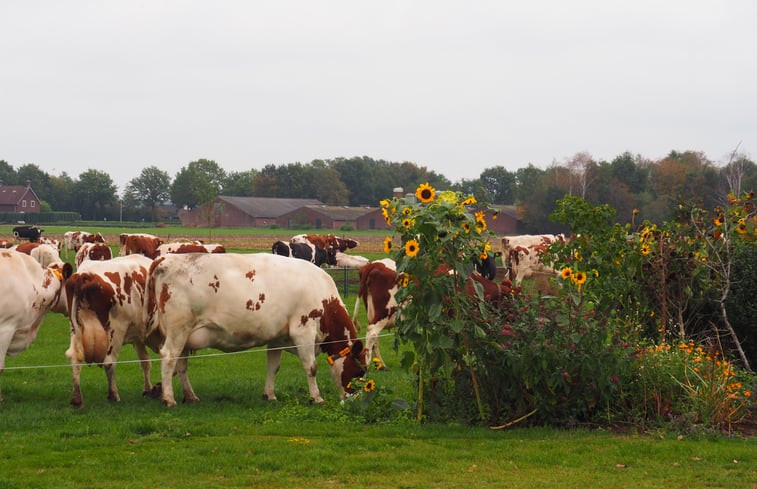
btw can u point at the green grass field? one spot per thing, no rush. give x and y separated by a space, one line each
233 438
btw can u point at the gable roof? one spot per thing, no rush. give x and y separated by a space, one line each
12 194
341 213
267 206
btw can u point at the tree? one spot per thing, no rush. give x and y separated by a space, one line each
327 187
7 173
151 188
94 194
40 180
197 183
239 184
61 197
499 185
265 183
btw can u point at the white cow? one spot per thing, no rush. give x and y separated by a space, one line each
106 302
233 302
524 254
27 292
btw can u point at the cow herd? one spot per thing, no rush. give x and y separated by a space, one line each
176 298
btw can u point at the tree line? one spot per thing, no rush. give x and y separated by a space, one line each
636 187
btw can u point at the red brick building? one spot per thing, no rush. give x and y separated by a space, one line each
18 198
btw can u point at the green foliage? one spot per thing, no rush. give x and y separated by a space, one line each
690 386
741 304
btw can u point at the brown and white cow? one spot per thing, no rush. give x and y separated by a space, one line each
325 241
94 252
106 310
190 247
27 293
379 284
73 240
44 254
233 302
139 244
524 254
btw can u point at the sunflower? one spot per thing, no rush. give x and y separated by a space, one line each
469 201
407 211
412 248
741 228
407 223
718 221
566 273
405 280
466 227
425 193
388 244
384 203
387 218
369 386
578 278
485 254
645 249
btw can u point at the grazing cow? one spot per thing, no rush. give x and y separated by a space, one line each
27 293
190 247
106 310
94 252
344 260
488 266
32 233
308 252
233 302
379 284
52 242
46 255
73 240
325 241
5 244
524 255
139 244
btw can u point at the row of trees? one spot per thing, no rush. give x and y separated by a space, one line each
627 183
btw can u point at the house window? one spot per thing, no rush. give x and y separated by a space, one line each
33 202
371 224
23 203
318 223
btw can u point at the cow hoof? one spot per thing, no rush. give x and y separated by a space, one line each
77 403
266 397
168 403
190 400
155 392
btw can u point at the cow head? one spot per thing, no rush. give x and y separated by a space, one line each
347 364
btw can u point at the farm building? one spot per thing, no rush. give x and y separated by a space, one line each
18 198
252 212
331 217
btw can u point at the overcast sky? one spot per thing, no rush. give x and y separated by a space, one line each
456 87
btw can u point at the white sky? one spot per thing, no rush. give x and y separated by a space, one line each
457 87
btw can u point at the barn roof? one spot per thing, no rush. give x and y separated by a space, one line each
267 206
341 213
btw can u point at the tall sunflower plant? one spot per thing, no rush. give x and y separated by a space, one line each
437 239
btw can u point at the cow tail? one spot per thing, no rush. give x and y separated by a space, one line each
355 322
88 324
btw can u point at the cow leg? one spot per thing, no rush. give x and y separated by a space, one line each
372 340
273 361
169 355
181 369
75 355
144 362
109 364
306 352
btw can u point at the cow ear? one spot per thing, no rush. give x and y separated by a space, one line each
357 348
67 270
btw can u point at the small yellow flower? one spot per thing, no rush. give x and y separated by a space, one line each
741 228
407 224
578 278
412 248
388 244
485 254
407 211
469 201
466 227
718 221
369 386
425 193
645 250
566 273
405 281
384 203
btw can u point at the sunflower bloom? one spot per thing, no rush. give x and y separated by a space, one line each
485 254
469 201
718 221
407 224
412 248
405 280
578 278
645 250
384 203
369 386
425 193
466 227
388 244
566 273
407 211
